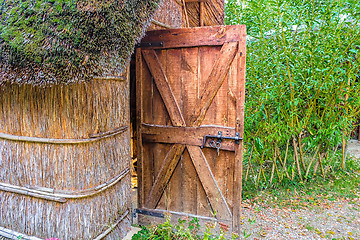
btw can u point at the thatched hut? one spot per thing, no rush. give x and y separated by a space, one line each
64 116
65 110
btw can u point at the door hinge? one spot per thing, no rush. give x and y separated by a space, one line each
148 213
149 44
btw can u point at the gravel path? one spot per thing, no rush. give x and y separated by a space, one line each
327 220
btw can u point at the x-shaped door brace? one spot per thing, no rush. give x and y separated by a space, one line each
213 84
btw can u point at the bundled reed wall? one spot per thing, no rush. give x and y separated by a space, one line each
169 15
203 13
65 190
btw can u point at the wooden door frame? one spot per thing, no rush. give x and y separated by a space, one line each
233 41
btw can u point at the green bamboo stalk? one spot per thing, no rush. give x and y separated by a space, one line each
297 158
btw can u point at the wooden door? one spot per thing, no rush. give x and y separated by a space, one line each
191 83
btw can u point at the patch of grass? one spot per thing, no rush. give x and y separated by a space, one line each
184 230
339 185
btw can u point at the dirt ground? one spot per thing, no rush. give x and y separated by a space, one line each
353 149
319 219
325 220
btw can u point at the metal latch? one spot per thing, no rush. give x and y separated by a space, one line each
219 138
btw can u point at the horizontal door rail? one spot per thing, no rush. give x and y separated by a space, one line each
187 135
205 36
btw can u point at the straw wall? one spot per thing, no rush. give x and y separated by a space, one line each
203 13
169 15
70 189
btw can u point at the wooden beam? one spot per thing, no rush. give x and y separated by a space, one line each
184 37
207 179
187 135
166 170
164 88
139 120
214 81
239 127
173 156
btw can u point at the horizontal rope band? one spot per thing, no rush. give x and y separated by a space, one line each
62 196
16 235
92 138
114 78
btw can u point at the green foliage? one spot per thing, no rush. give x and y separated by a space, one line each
184 230
302 85
68 38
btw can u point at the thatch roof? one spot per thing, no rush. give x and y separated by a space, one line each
44 42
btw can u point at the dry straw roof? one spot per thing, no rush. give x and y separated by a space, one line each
45 42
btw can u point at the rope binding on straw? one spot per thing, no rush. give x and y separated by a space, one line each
60 195
92 138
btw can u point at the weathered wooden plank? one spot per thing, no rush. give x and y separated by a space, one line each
213 192
160 116
189 75
164 88
172 158
139 120
162 179
239 126
174 189
215 80
219 162
207 58
187 135
144 114
232 86
194 37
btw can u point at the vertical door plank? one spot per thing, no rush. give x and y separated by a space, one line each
139 120
172 158
163 86
232 86
215 80
220 166
166 170
215 196
160 117
239 127
173 73
207 58
145 93
189 76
